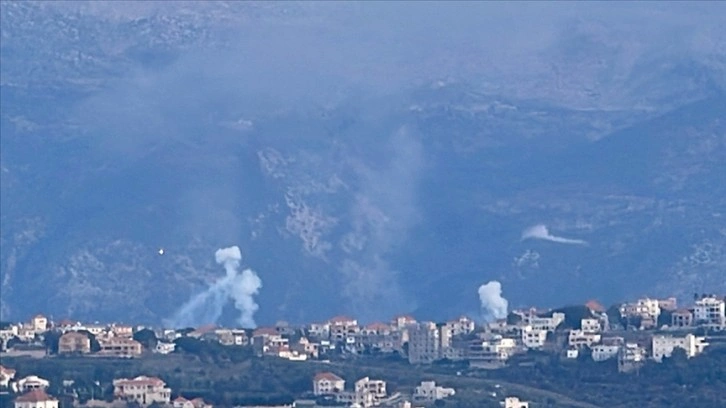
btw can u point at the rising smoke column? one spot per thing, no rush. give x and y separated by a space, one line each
206 307
493 305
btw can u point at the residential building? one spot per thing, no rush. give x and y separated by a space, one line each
514 402
630 357
181 402
327 383
710 312
646 309
533 339
319 331
342 327
30 383
36 399
39 323
590 325
6 375
602 352
120 347
163 347
670 304
579 338
428 391
546 323
453 328
74 342
121 331
377 388
682 318
142 390
402 322
572 353
492 351
663 346
423 343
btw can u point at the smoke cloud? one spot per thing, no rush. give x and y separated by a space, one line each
206 307
541 232
493 305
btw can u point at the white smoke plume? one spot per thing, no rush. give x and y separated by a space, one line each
206 307
493 305
540 231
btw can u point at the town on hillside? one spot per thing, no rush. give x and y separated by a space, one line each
629 333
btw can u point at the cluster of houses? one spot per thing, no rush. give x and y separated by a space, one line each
32 392
631 333
330 390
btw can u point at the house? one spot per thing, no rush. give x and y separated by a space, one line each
142 390
120 347
342 327
164 347
74 342
514 402
327 383
428 391
39 323
602 352
122 331
579 338
682 318
320 331
30 383
710 312
630 357
533 339
423 343
36 399
646 309
572 353
6 375
663 346
590 325
461 326
377 388
181 402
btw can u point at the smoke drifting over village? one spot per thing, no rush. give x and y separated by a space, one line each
206 307
493 305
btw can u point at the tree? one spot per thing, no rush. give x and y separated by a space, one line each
50 341
147 338
95 345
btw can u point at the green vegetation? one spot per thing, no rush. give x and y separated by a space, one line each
228 376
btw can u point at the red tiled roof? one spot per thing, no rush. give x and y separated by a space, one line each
35 396
327 376
595 306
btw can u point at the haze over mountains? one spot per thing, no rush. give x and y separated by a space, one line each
369 159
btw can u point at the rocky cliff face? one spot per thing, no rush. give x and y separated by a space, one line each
352 176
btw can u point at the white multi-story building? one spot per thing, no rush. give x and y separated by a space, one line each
143 390
645 308
663 346
710 312
377 388
453 328
428 391
6 375
602 352
579 338
327 383
546 323
590 325
630 357
424 344
533 339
